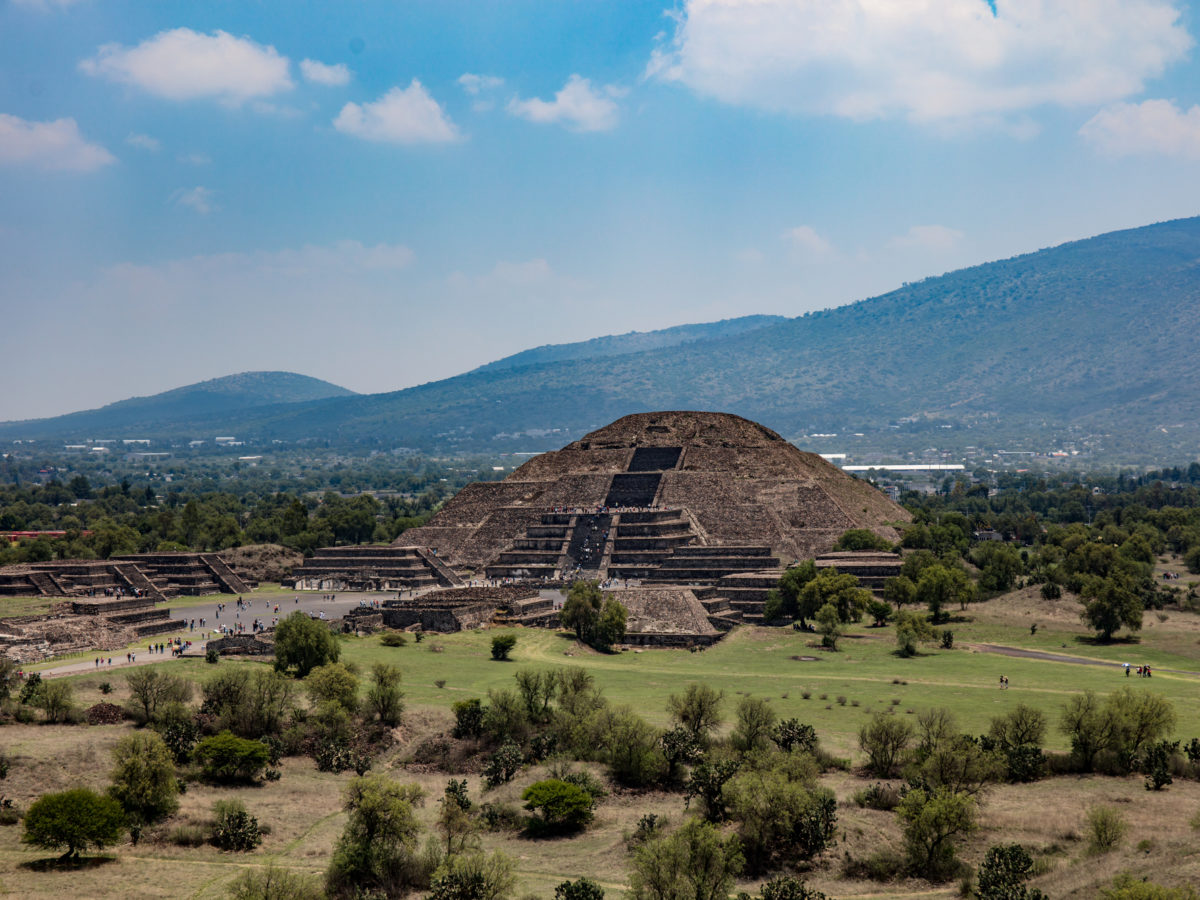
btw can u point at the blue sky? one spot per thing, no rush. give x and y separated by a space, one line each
382 194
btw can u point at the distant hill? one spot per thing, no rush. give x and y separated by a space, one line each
179 408
632 342
1096 336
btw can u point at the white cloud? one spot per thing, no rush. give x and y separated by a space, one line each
577 106
44 5
805 239
927 60
927 237
474 84
195 159
1152 127
320 73
185 65
401 116
198 198
144 142
54 146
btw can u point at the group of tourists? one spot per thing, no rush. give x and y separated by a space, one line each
1142 671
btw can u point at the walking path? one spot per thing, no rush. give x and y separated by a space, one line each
1063 658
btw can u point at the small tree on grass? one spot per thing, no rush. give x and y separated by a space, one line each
234 829
693 863
473 876
502 646
1106 828
143 778
333 683
151 690
698 709
303 643
884 739
468 718
375 856
385 700
755 721
75 819
560 807
932 824
56 699
829 625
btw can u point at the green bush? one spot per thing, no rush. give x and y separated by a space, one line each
502 765
473 876
468 718
393 639
303 643
1003 874
559 807
502 646
143 778
226 758
583 889
212 656
885 740
234 829
1106 828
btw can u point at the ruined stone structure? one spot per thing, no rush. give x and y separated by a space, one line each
872 568
372 568
463 608
686 498
156 576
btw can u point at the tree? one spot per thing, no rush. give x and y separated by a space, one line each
56 699
333 683
755 720
911 629
234 829
932 822
376 851
561 807
1110 604
839 589
251 704
581 611
899 590
143 778
940 586
879 611
385 700
884 739
537 688
830 626
610 629
779 819
468 718
226 758
1003 874
862 539
502 646
698 709
792 734
783 600
303 643
693 863
1087 725
151 689
1124 724
959 764
75 819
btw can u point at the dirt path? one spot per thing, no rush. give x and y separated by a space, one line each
1062 658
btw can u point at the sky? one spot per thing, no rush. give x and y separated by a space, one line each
382 194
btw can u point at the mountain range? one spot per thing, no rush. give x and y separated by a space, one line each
1092 340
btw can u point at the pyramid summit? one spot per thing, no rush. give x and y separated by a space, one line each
671 497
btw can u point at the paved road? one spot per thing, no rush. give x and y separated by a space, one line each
262 608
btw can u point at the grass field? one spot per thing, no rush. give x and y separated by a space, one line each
303 808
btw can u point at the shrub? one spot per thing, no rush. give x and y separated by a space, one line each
393 639
106 688
235 829
151 689
502 646
755 722
1156 763
385 700
932 824
1003 874
212 656
303 643
74 819
878 796
560 807
792 734
468 718
143 778
333 683
500 816
1126 887
248 703
786 887
502 765
698 709
226 758
473 876
884 739
583 889
693 862
188 835
947 639
56 699
1106 828
274 883
375 855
